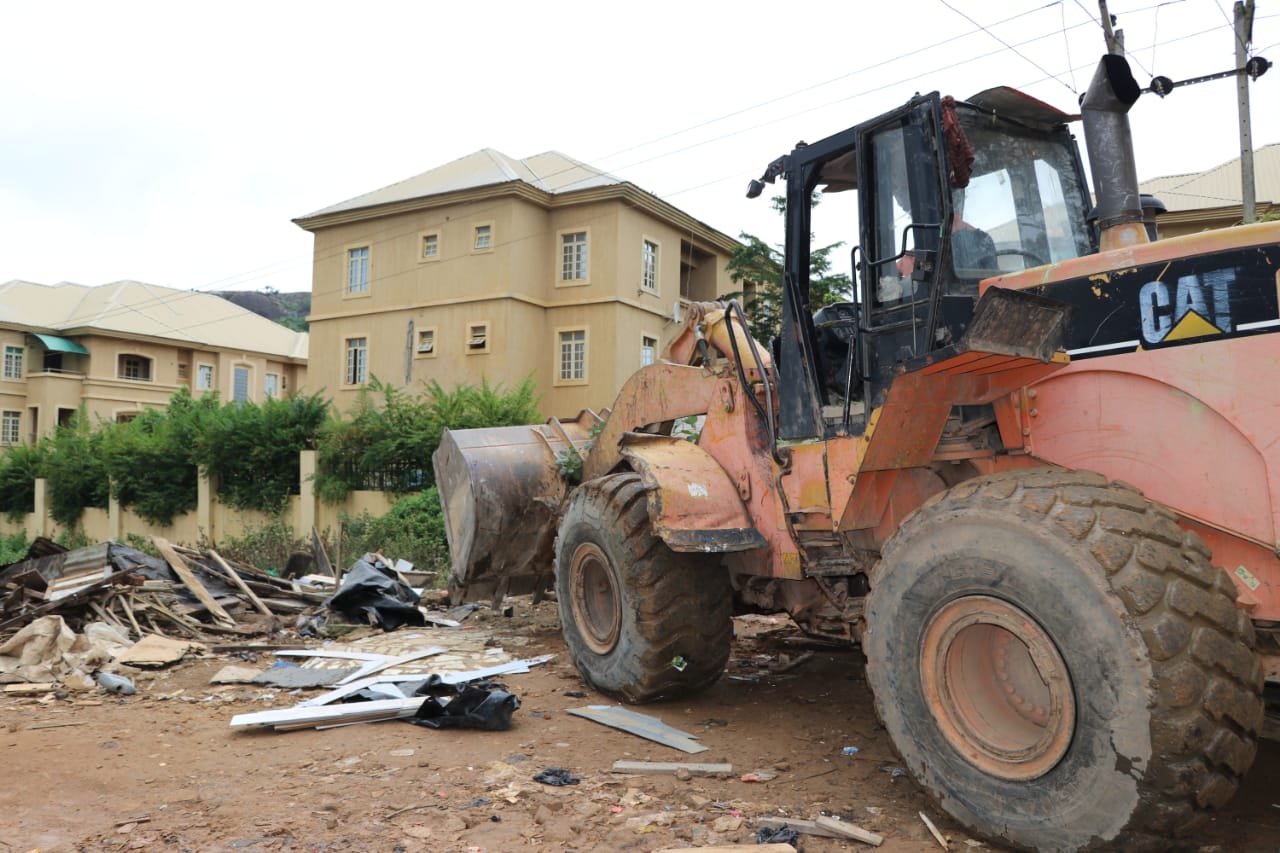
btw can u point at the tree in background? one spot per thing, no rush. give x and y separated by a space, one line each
760 263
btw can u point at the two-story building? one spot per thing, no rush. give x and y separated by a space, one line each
496 268
119 348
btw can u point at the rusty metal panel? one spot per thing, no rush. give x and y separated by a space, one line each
693 503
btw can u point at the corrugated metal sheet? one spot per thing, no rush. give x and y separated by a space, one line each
1219 186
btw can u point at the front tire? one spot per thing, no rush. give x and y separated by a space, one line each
642 622
1060 666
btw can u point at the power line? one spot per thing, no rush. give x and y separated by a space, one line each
1072 89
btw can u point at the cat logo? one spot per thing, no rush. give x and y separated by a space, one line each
1197 306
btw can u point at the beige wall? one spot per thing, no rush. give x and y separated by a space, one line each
515 288
95 380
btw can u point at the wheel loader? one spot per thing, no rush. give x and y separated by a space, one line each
1032 468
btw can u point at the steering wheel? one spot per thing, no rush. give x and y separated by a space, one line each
1031 256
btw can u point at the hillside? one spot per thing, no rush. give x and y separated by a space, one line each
288 309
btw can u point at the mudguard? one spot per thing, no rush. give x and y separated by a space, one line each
693 503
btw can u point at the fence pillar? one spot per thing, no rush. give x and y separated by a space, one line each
41 507
113 519
204 507
306 495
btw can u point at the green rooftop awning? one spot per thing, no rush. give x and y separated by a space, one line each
53 343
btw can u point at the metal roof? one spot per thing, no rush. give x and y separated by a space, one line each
550 171
133 308
53 343
1219 186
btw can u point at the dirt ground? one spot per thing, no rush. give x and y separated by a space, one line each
163 771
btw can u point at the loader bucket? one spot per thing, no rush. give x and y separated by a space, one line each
501 492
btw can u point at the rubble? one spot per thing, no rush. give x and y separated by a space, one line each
189 594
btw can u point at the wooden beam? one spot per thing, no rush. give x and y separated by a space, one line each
321 558
240 584
823 827
668 768
185 574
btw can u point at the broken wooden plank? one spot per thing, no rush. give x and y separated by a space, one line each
79 597
804 827
668 768
933 830
319 555
152 650
382 709
775 847
849 830
29 689
185 574
235 578
641 725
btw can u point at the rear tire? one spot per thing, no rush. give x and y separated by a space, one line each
641 621
1060 666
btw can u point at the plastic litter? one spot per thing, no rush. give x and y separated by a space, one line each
371 593
117 684
557 777
778 835
850 750
473 708
678 663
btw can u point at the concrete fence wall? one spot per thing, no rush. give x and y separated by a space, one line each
211 521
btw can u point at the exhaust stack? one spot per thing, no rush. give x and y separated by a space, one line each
1105 113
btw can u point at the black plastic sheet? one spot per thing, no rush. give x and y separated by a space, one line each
556 777
372 594
778 835
473 708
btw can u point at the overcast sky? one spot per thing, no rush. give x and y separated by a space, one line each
173 142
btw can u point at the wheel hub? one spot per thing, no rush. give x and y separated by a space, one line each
997 687
597 607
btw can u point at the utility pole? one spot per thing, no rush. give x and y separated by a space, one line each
1244 36
1115 38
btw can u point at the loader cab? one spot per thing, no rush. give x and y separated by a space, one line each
949 194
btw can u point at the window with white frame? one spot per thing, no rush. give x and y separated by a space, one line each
204 377
484 238
573 355
649 266
240 384
477 337
10 427
271 384
427 342
357 360
648 350
13 362
135 368
573 256
358 270
430 247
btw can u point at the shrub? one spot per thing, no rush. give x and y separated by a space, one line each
13 548
388 441
252 450
76 470
413 530
20 465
